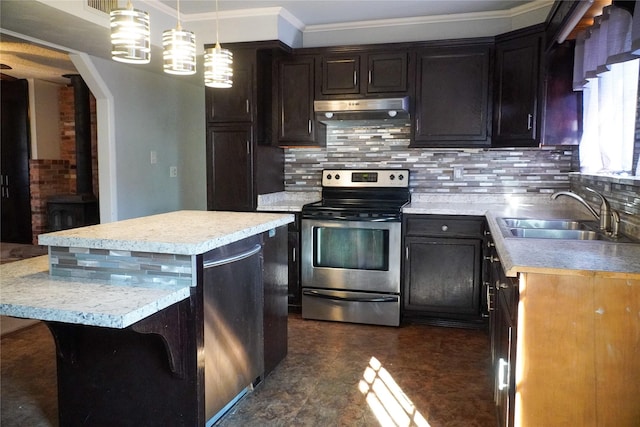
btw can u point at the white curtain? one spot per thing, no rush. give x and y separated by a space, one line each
606 69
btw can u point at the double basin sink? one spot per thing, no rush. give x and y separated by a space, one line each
563 229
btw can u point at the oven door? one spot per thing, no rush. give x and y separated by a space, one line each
351 255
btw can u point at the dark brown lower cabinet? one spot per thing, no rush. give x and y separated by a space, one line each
230 167
442 271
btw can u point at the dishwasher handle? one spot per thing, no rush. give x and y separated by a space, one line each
317 294
233 258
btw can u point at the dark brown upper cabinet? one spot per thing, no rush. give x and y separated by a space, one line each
296 125
237 103
518 88
340 75
358 74
452 106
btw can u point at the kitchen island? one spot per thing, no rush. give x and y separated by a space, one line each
162 320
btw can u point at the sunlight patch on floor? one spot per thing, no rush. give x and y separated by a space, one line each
386 399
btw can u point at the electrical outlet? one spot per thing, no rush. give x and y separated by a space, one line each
153 157
457 173
173 171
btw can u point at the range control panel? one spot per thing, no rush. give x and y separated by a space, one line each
365 178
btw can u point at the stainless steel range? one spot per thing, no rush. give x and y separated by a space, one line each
351 247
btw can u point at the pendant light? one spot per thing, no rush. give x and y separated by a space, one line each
179 50
218 62
130 35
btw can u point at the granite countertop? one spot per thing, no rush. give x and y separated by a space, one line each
519 255
180 232
287 201
29 291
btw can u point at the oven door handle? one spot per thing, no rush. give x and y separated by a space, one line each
317 294
350 218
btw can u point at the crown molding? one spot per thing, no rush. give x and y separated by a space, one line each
460 17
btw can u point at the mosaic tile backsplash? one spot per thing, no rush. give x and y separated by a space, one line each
121 266
380 144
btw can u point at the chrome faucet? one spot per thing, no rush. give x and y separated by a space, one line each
605 214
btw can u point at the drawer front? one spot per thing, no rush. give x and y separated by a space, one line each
429 225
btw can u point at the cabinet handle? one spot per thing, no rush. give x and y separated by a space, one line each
417 126
369 76
490 244
492 258
406 253
233 258
445 227
247 105
293 254
503 374
489 295
501 285
355 78
529 121
309 126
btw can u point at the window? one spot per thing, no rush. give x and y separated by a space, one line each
606 70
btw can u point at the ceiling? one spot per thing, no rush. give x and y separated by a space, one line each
29 60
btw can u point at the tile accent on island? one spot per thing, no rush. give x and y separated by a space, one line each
122 267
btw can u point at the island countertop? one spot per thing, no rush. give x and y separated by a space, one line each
28 290
180 232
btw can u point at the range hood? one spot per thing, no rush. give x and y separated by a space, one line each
362 109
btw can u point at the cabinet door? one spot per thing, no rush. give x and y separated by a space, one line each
453 97
229 168
504 367
296 125
295 290
237 103
340 75
387 72
442 276
515 115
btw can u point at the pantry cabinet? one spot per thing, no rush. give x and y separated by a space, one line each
242 160
442 269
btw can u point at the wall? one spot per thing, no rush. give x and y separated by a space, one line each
386 145
141 112
43 117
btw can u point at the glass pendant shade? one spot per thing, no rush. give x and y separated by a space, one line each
179 51
130 35
218 71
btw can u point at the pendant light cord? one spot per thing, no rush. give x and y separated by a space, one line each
217 23
178 10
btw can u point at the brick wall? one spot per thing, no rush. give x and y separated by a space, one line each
68 136
47 178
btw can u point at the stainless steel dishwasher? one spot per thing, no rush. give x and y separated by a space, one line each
233 323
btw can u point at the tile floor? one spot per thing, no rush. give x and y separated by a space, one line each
334 375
